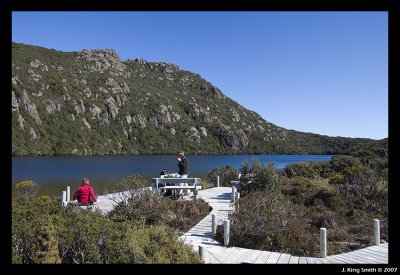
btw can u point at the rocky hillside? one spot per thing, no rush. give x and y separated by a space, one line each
92 102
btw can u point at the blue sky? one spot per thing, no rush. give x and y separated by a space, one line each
319 72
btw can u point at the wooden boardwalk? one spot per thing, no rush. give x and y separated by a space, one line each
219 199
106 203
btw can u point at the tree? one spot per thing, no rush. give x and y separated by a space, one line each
258 177
226 175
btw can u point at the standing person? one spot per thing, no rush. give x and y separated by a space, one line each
85 193
183 165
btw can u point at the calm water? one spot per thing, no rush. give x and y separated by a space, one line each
54 173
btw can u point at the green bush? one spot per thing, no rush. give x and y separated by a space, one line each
144 206
266 220
298 189
149 208
304 169
340 163
45 232
258 177
186 214
226 175
34 232
26 189
338 178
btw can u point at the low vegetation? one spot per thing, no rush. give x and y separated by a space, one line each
143 230
283 210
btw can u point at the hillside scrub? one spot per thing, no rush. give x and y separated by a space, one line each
93 103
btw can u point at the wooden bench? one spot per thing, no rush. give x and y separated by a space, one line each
160 184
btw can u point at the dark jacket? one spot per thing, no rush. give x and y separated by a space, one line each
84 194
183 166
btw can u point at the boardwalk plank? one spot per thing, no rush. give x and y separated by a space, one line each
373 258
294 260
318 260
252 257
335 260
229 254
239 256
262 259
347 260
273 258
324 260
284 258
302 260
377 248
310 260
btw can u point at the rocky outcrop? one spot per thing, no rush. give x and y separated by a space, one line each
21 121
140 120
235 139
23 99
103 60
112 107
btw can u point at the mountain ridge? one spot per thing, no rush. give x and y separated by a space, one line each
90 102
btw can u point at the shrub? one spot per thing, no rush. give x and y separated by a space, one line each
226 175
298 189
34 233
45 232
144 206
258 177
149 208
340 163
338 178
268 221
187 214
26 189
304 169
329 199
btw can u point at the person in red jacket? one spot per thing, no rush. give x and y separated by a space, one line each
85 193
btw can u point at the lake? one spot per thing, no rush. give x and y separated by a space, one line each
53 174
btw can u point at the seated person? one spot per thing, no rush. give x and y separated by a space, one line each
85 193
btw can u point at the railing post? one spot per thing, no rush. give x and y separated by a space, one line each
157 184
237 196
195 191
233 193
217 181
201 252
226 232
322 241
214 224
64 198
377 232
68 193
